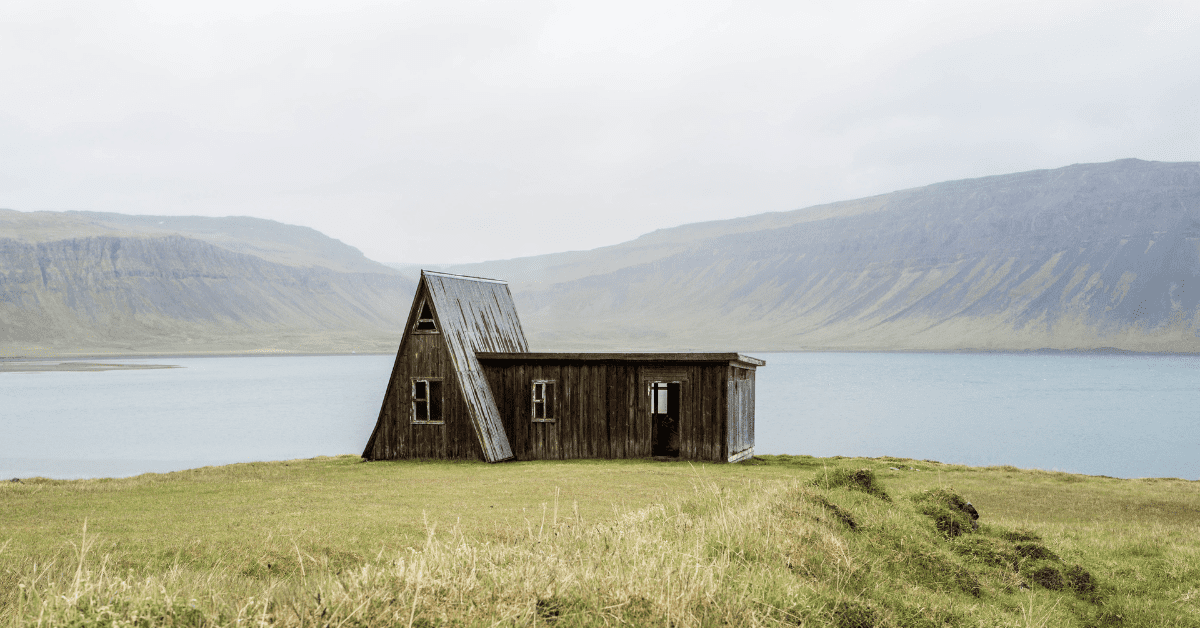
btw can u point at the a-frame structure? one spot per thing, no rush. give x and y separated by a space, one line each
438 379
465 385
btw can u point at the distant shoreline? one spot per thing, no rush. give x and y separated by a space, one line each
46 366
159 356
1042 351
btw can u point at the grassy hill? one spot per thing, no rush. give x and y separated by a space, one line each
775 541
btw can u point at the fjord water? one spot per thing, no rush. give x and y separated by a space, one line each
1123 415
1118 415
210 411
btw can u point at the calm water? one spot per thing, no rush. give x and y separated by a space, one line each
1124 416
1112 415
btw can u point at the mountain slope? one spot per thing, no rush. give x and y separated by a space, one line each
109 294
1082 257
272 241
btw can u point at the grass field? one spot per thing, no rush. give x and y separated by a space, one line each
796 541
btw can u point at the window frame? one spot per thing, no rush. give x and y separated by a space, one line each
428 401
660 396
434 329
549 410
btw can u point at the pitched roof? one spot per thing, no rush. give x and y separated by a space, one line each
476 314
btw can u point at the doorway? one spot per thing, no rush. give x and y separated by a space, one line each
664 419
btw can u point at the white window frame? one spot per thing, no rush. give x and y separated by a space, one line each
543 391
428 401
434 326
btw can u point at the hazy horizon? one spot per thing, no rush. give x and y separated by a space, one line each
472 131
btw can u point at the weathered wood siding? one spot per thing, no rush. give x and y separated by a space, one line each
396 436
603 408
472 342
740 413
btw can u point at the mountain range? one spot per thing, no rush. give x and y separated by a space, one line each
1086 257
76 283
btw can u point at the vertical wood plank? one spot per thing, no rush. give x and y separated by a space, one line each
582 375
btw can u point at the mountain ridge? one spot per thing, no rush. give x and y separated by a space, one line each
1081 258
291 245
1075 258
171 294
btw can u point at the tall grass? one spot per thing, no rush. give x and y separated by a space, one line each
776 549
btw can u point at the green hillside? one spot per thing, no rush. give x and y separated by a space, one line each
796 541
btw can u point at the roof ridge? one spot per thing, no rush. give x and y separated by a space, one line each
467 277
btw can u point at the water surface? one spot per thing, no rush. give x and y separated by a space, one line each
1118 415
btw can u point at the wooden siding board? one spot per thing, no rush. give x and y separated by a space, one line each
702 396
574 420
640 442
599 413
740 404
749 425
612 397
692 413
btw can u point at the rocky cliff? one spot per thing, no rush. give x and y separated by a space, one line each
110 294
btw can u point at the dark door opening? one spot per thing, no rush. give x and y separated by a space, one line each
664 419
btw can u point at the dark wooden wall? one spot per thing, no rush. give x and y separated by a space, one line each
603 411
424 355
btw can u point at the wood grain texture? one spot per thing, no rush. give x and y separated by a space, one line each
601 402
603 408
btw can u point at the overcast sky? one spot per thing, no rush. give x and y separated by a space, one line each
442 131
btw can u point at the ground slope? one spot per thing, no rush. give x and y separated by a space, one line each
775 541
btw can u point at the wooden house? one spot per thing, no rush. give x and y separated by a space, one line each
465 385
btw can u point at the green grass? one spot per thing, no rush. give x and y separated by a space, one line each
787 540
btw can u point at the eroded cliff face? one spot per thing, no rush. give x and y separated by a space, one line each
1084 257
146 294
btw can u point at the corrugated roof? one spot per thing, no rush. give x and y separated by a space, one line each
476 314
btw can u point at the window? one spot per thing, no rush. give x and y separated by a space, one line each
543 400
427 400
660 398
425 324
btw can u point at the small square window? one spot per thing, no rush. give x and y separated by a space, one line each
543 400
427 400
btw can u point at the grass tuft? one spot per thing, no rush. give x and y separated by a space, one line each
854 614
1034 551
841 514
1021 534
863 480
949 511
1047 576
